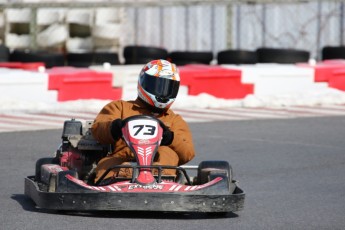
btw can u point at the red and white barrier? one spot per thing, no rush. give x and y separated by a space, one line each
17 84
119 82
275 79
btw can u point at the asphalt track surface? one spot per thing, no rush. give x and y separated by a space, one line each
292 171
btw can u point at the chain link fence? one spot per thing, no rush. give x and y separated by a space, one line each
177 26
308 25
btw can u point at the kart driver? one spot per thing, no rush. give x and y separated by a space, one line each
158 86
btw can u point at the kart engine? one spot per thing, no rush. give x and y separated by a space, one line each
79 151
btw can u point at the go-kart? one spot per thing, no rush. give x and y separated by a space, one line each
66 181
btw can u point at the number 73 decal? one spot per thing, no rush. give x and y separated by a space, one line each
143 129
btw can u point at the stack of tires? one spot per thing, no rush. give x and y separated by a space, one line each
143 54
4 53
333 52
236 57
50 59
282 56
190 57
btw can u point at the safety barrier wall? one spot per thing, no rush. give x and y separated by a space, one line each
178 25
226 81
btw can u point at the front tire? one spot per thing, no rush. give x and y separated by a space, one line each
209 170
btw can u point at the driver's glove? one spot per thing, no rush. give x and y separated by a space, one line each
168 136
116 129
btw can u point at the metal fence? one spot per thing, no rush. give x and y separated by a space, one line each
201 25
307 25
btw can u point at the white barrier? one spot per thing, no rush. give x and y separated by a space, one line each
275 86
273 79
25 86
124 76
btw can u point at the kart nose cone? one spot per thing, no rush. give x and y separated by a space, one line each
145 177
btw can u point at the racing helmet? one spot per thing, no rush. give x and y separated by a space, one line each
158 84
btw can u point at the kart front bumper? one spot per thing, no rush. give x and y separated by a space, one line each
167 202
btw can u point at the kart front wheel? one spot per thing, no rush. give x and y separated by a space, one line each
208 170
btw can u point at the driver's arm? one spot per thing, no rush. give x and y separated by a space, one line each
182 143
101 125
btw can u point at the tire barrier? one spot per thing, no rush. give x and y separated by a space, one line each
17 41
79 45
189 57
4 53
143 54
102 57
79 59
52 36
281 56
236 57
49 59
16 28
333 52
90 58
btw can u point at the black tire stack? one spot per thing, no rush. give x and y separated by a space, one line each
333 52
4 53
282 56
143 54
48 58
190 57
236 57
91 58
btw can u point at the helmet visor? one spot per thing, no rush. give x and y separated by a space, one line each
159 86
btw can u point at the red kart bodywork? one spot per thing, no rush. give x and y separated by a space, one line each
61 183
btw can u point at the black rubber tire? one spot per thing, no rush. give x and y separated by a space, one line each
143 54
48 58
4 53
188 57
236 57
79 59
110 57
40 162
129 61
205 167
282 56
333 52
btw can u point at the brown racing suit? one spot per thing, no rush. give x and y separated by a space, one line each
179 152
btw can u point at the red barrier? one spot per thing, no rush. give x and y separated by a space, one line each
324 70
214 80
337 80
81 83
58 74
24 66
81 87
